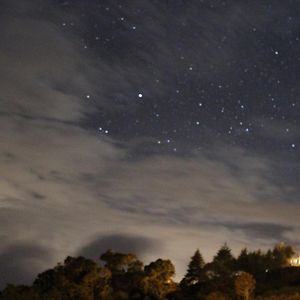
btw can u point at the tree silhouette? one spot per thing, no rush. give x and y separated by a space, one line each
223 262
221 270
282 253
254 262
195 273
13 292
77 278
127 273
123 277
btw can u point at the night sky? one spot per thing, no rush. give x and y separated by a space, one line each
152 126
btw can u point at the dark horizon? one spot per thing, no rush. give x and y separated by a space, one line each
269 275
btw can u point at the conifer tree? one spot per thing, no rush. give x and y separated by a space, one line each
221 271
195 273
223 261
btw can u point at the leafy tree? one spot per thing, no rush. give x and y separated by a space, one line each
77 278
123 277
157 281
12 292
121 263
127 273
244 285
282 253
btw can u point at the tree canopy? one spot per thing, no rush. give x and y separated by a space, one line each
122 276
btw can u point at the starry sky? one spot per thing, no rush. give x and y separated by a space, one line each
150 126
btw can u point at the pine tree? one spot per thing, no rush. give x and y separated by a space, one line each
224 261
195 273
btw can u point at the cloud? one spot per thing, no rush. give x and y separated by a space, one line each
203 201
29 77
64 187
123 243
196 188
48 162
72 191
22 261
263 231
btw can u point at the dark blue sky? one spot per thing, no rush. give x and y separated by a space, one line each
163 125
196 69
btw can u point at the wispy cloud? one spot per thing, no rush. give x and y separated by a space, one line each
65 190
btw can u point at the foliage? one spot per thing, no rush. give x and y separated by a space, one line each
157 281
244 285
121 263
257 262
195 273
281 255
122 276
221 271
223 263
77 278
